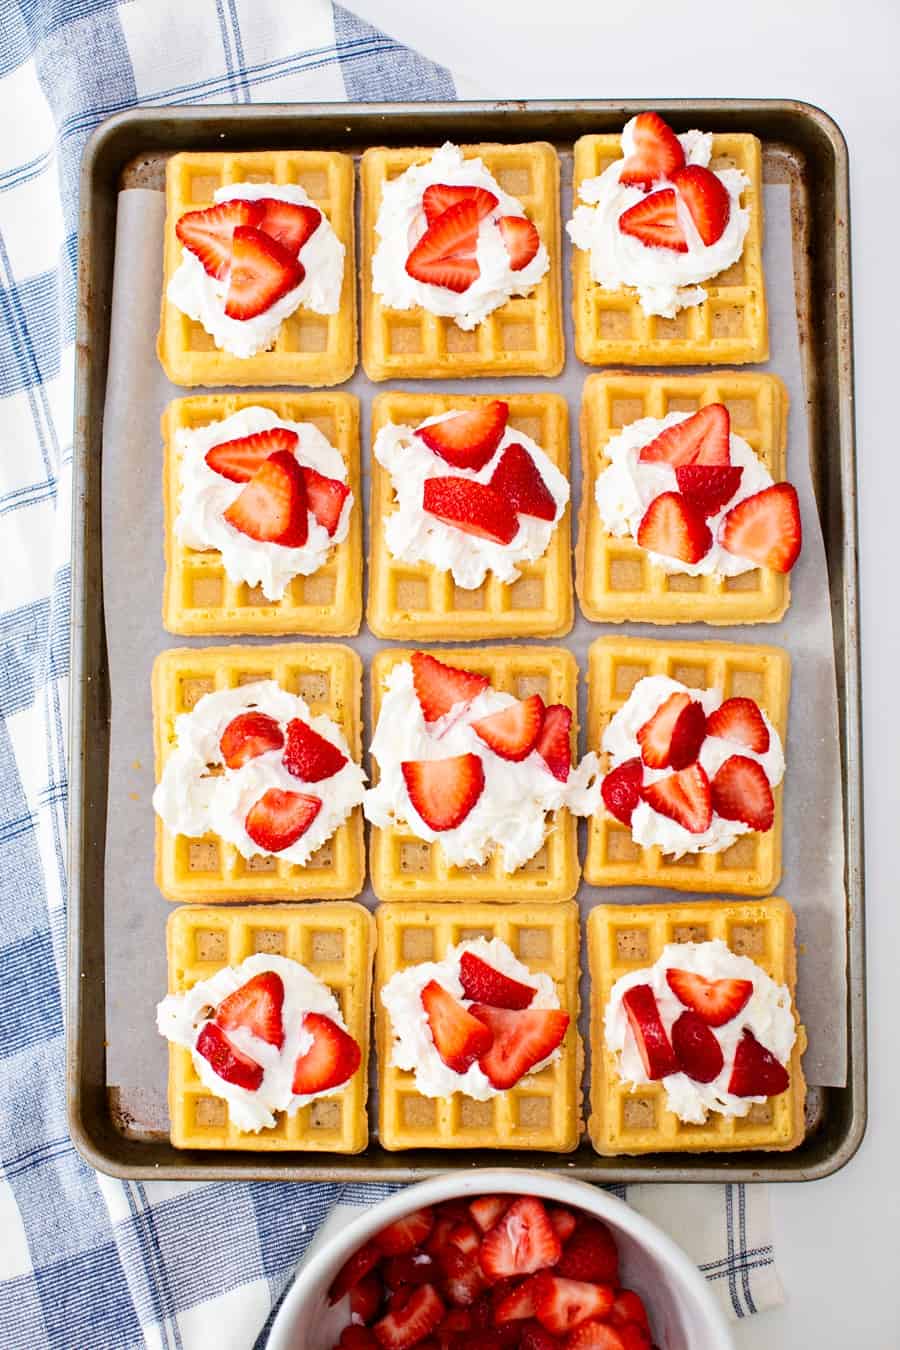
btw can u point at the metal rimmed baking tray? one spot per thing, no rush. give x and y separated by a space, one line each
803 147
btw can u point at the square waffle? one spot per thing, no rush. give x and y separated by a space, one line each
728 328
543 1110
335 942
414 600
622 938
198 596
615 578
752 865
310 349
405 867
524 336
329 678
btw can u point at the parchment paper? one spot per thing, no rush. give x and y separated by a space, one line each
137 392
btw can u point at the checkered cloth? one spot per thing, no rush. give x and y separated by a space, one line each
86 1262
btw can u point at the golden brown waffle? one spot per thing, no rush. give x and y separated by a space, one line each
198 596
405 867
310 349
522 337
728 328
752 865
416 601
336 943
543 1110
622 938
614 577
328 677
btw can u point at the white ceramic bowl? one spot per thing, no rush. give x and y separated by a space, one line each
683 1312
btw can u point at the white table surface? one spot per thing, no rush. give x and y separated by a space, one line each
837 1239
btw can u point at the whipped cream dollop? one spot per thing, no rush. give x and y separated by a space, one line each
510 815
413 1047
414 535
181 1018
192 801
202 297
768 1014
401 223
649 827
666 281
206 496
625 489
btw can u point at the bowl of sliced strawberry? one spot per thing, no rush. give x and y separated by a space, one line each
495 1260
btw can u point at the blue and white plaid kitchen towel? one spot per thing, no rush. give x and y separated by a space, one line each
87 1263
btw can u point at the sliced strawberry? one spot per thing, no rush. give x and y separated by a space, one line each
716 1001
741 791
674 527
512 732
331 1060
702 438
564 1222
355 1337
257 1006
740 720
248 735
238 460
708 486
310 756
601 1336
657 152
563 1305
486 1209
465 1237
226 1060
208 234
445 254
291 225
411 1320
673 736
366 1299
521 1039
699 1053
765 528
521 240
272 506
516 478
756 1072
519 1303
706 197
462 1280
439 197
654 221
279 818
262 271
448 1332
554 744
444 791
410 1268
467 440
654 1046
325 497
407 1233
532 1336
476 508
483 984
523 1240
590 1254
440 687
621 789
354 1269
447 1216
458 1036
629 1307
684 797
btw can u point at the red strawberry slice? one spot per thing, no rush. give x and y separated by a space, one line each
257 1006
765 528
238 460
445 255
208 234
519 1303
563 1305
674 734
463 1280
756 1072
702 438
590 1254
248 735
325 497
411 1318
739 719
354 1269
517 478
486 1209
459 1038
554 744
629 1307
331 1060
279 818
521 240
674 527
532 1336
272 506
512 732
563 1221
467 440
475 508
465 1237
262 271
439 197
226 1060
355 1337
706 197
443 791
411 1268
657 152
716 1001
407 1233
291 225
654 1047
621 789
708 486
741 791
654 221
483 984
310 756
440 687
522 1242
684 797
699 1053
601 1336
366 1299
521 1039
